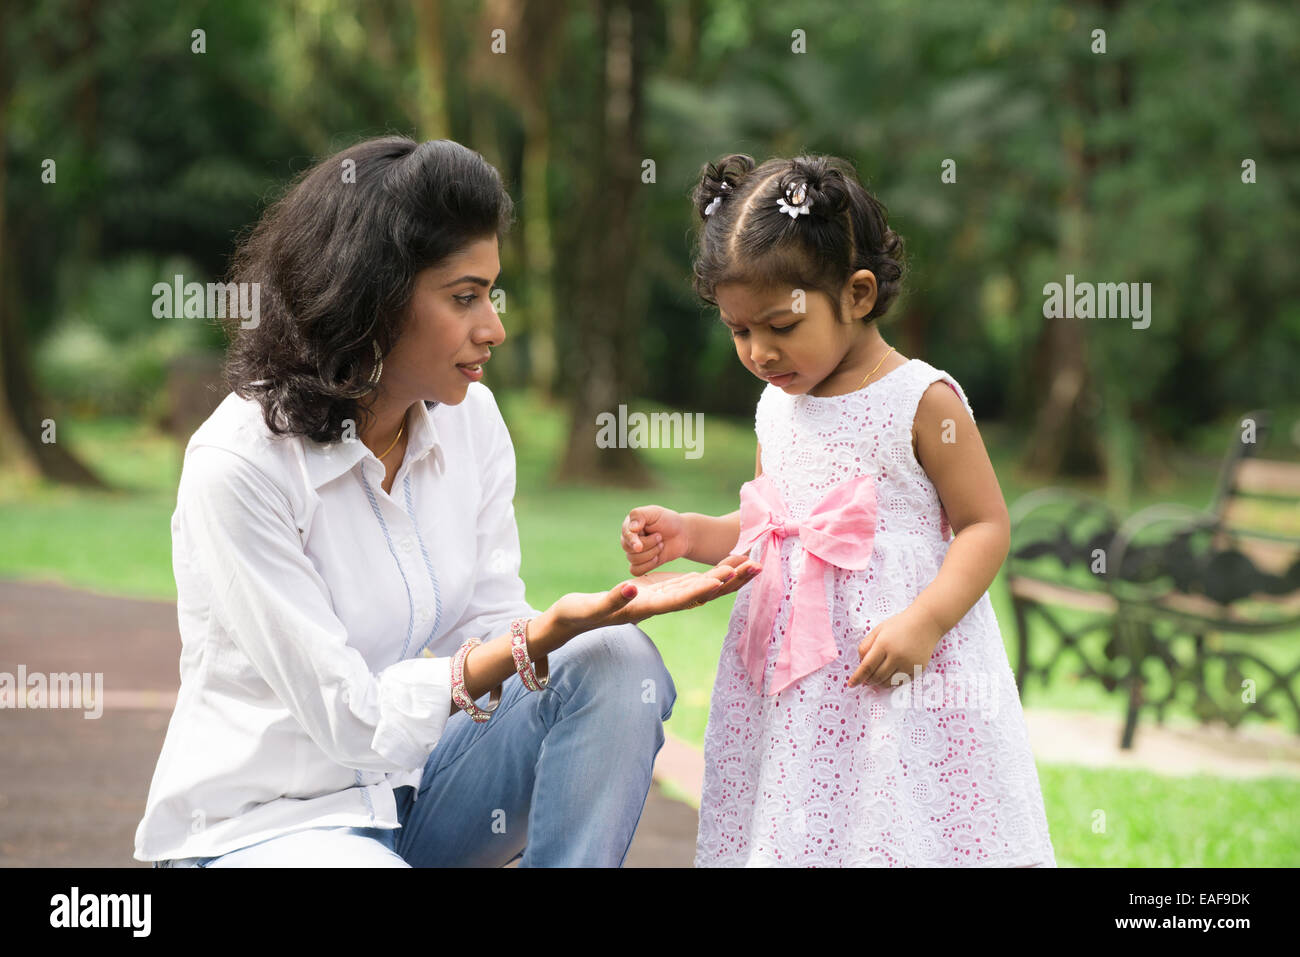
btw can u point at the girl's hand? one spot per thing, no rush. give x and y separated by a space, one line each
578 612
651 536
896 645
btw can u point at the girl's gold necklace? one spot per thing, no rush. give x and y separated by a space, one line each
876 369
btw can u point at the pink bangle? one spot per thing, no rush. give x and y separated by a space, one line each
533 680
458 693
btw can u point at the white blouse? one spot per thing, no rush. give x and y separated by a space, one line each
305 595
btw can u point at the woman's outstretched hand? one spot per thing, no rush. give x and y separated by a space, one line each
634 601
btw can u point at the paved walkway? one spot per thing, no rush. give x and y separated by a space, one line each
72 790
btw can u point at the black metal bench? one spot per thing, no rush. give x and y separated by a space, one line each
1193 605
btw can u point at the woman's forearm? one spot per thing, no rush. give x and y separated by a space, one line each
712 537
491 663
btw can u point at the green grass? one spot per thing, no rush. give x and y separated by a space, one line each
1121 818
120 543
116 542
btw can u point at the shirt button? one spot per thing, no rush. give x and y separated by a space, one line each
406 545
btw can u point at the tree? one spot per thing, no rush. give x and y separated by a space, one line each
23 435
603 245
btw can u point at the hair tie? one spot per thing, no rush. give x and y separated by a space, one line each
716 201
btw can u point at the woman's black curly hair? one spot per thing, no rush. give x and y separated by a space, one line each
336 258
747 239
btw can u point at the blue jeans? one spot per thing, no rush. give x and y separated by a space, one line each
559 777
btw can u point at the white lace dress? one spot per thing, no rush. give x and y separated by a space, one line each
935 773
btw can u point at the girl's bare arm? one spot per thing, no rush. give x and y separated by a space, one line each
712 536
949 448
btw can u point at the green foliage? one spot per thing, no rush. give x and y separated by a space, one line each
165 152
108 355
1163 119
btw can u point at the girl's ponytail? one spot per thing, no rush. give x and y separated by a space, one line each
719 179
828 192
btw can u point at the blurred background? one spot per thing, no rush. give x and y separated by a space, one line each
1168 155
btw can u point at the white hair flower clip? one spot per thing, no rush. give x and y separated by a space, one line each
798 204
716 201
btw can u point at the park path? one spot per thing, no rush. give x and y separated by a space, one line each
72 790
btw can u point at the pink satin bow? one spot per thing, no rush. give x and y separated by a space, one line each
840 531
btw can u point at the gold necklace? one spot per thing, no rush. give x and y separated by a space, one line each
873 371
399 435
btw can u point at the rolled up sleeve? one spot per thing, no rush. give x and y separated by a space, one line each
498 595
276 609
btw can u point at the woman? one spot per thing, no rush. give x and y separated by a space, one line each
344 530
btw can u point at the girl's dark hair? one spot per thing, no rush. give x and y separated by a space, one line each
336 258
747 239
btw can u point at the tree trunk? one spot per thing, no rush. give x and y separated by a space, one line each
606 251
1065 436
23 413
538 259
531 60
431 103
13 448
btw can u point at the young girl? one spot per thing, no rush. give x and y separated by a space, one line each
864 712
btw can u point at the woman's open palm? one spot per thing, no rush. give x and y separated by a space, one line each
583 611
